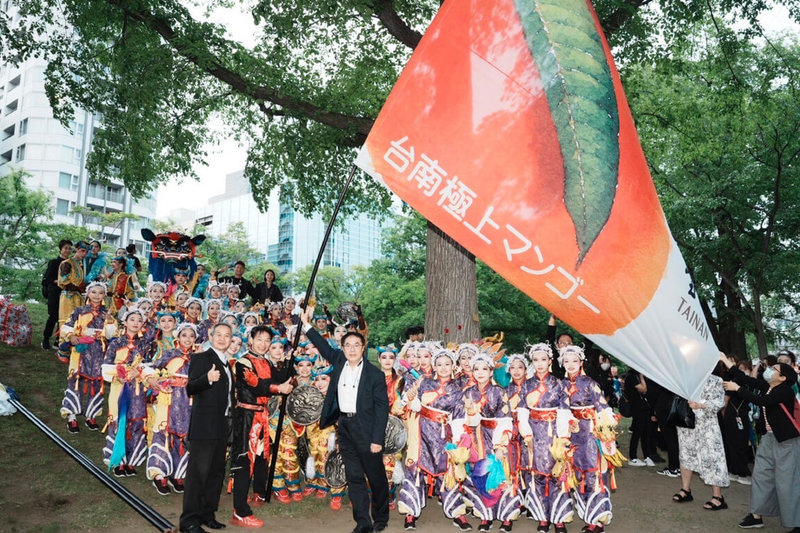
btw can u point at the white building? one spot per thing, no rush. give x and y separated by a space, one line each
285 237
31 139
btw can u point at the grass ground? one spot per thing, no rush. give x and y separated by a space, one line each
43 490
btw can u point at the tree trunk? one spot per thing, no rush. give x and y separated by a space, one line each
451 313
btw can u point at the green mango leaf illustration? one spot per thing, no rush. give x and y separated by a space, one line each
569 55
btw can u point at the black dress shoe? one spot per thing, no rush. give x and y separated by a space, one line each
194 528
213 524
379 526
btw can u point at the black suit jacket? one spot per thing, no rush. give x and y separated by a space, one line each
372 401
209 401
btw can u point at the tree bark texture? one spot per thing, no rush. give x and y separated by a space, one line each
451 313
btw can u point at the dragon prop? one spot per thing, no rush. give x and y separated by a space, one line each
171 251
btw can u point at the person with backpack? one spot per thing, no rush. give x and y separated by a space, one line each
775 490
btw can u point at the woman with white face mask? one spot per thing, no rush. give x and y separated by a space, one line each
775 490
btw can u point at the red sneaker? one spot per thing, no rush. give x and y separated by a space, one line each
161 486
72 426
308 491
256 500
297 496
322 494
392 505
91 423
176 484
282 496
246 521
336 503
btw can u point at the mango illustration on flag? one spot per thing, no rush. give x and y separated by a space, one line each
510 131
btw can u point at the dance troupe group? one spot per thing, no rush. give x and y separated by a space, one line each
540 446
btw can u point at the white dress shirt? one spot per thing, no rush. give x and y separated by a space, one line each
348 386
224 359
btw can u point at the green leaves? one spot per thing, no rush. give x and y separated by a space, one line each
577 81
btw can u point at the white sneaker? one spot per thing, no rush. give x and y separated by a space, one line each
636 462
649 462
744 480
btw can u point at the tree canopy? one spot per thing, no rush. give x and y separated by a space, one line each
301 89
27 238
719 125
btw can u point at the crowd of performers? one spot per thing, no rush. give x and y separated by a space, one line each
495 435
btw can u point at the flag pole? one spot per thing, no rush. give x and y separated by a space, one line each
296 341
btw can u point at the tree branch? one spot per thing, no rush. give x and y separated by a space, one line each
192 50
397 27
617 18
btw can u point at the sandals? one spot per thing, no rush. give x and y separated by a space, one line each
711 506
683 496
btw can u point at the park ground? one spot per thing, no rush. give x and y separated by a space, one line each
43 490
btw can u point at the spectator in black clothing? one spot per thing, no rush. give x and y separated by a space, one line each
245 287
643 428
51 291
734 421
267 290
661 401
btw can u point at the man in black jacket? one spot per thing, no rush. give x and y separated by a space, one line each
51 291
357 398
211 387
245 287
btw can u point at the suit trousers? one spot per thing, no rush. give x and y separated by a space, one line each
205 474
359 463
53 296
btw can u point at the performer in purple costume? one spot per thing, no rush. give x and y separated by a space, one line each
433 402
166 462
213 310
488 420
518 454
122 367
465 353
544 416
85 334
586 402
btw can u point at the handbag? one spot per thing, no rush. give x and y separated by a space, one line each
796 418
680 414
624 406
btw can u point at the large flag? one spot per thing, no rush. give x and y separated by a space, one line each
509 130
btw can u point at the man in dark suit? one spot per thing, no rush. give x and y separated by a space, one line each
357 398
52 292
211 388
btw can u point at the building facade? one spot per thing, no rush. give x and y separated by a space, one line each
285 237
55 157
